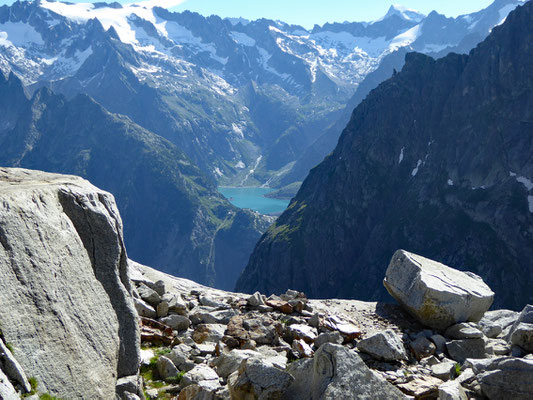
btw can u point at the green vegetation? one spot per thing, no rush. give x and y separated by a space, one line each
46 396
457 370
10 347
33 383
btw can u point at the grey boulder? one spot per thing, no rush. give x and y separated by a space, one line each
337 373
437 295
385 345
65 291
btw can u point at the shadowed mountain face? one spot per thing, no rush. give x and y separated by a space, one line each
174 218
437 160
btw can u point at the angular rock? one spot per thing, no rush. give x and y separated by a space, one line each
177 322
507 378
255 300
129 386
498 347
162 309
206 348
385 345
502 318
176 304
443 370
144 309
149 295
328 337
180 355
337 373
65 292
522 335
210 302
280 305
422 347
348 330
208 333
302 348
464 330
437 295
440 342
207 315
304 332
12 368
230 362
166 368
203 376
452 390
258 379
460 350
263 330
7 391
422 387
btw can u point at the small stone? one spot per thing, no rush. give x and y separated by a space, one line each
177 305
490 329
328 337
144 309
162 309
302 348
166 368
209 302
443 370
180 355
440 342
314 321
460 350
385 345
149 295
255 300
464 330
206 348
452 390
230 362
280 305
159 287
422 347
522 335
208 333
498 347
177 322
305 332
201 375
422 387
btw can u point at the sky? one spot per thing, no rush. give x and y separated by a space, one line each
310 12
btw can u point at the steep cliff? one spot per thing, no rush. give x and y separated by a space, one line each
67 310
174 218
437 160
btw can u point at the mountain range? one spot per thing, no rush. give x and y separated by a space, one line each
244 100
436 160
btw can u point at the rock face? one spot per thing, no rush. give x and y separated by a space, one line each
337 373
436 160
437 295
65 291
507 378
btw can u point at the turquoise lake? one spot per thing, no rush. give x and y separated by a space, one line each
254 199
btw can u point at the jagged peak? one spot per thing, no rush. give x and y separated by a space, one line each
405 13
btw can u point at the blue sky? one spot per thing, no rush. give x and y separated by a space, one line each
310 12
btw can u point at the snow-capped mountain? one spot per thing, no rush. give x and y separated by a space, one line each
242 98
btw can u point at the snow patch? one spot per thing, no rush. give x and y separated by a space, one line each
242 38
240 165
450 182
406 38
530 202
504 12
19 34
523 180
415 171
400 159
218 171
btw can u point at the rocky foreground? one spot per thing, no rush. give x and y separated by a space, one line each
81 321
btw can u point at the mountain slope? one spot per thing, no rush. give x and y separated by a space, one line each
173 215
215 87
437 160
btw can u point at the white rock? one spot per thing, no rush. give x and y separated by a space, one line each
166 368
437 295
230 362
201 375
305 332
452 390
177 322
64 287
12 368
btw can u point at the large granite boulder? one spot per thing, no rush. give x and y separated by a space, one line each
437 295
65 293
335 372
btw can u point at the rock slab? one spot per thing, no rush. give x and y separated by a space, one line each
437 295
65 290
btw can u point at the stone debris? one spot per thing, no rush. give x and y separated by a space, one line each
253 347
